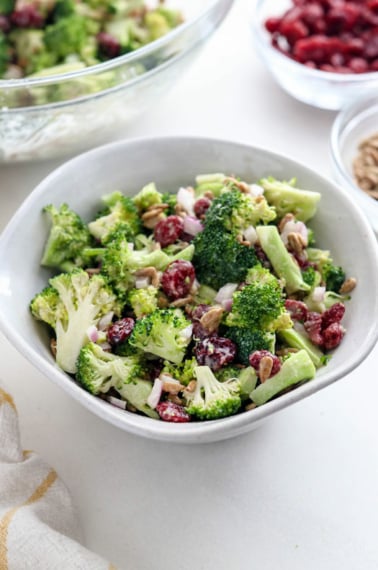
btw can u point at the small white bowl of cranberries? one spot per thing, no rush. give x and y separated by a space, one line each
322 52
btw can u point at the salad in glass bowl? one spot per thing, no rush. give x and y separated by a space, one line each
195 305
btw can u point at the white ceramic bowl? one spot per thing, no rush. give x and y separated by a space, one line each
171 162
321 89
352 125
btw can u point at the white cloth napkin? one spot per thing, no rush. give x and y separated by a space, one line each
38 526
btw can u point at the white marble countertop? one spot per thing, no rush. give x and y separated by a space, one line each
298 493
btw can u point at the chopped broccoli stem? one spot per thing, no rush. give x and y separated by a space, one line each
288 199
283 263
136 393
147 197
249 340
298 368
296 339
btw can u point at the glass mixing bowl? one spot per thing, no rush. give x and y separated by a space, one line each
50 116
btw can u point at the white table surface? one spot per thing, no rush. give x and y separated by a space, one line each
300 492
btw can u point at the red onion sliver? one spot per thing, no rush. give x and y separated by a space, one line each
142 282
192 226
92 333
155 394
186 199
318 294
116 402
105 321
226 292
227 305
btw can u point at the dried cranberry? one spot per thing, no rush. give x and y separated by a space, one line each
333 315
169 230
342 17
293 30
358 65
297 309
371 44
177 279
255 359
109 46
199 311
312 13
27 17
201 206
332 336
215 352
272 24
120 330
313 327
171 412
199 332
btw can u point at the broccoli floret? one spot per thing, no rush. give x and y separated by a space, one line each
171 201
157 24
66 36
248 340
296 339
212 399
288 199
98 370
236 211
30 50
219 258
143 301
147 197
64 8
334 276
120 261
165 333
82 301
183 372
119 210
257 306
311 276
283 263
297 368
67 238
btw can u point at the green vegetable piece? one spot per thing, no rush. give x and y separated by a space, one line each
165 333
143 301
79 303
66 36
249 340
296 339
99 370
137 393
334 276
119 210
67 238
298 368
213 399
283 263
288 199
6 6
147 197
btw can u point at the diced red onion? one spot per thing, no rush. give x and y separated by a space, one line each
186 199
192 226
187 332
318 294
116 402
250 235
256 190
142 282
227 304
294 227
155 394
92 333
226 292
105 321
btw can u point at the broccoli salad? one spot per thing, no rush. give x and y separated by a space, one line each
196 305
48 37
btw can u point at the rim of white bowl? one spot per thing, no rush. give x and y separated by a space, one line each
196 432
